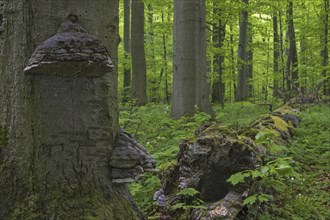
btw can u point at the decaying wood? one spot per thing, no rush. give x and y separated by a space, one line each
218 152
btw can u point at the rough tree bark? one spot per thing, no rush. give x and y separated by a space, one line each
57 132
190 87
242 86
139 71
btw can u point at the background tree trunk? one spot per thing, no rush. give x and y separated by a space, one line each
276 54
190 87
54 159
139 71
242 86
127 47
325 52
292 62
218 86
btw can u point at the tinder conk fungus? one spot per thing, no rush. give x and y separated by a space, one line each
71 52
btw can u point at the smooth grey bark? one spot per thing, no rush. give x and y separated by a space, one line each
190 87
242 85
219 32
325 51
249 61
167 95
276 55
139 71
59 131
127 47
232 86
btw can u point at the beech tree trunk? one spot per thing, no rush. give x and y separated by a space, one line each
218 86
190 87
292 62
56 139
276 55
242 85
325 52
127 47
139 69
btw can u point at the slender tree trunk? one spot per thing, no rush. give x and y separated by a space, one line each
276 54
127 48
292 62
249 62
325 52
232 59
190 86
242 86
218 86
57 132
139 71
282 52
167 96
153 82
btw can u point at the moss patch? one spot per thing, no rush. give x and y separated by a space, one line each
58 204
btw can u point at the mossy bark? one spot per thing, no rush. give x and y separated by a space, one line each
54 161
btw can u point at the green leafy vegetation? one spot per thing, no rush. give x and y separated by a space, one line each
296 180
161 135
294 183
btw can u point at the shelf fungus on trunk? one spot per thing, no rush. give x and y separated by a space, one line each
129 159
71 52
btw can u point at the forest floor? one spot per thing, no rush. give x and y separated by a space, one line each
306 196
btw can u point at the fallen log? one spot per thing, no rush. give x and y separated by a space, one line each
218 152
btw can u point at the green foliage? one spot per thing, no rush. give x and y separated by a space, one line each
161 135
188 192
191 200
259 197
298 180
270 177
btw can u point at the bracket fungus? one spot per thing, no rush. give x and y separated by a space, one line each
71 52
129 159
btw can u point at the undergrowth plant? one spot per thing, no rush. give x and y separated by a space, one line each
153 127
273 176
295 183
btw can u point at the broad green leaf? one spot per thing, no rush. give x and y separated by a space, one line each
264 197
188 192
238 177
250 200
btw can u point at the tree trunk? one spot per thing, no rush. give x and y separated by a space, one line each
276 54
325 52
282 52
190 87
127 48
167 96
57 132
292 62
249 62
153 82
218 86
242 86
139 77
